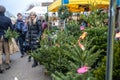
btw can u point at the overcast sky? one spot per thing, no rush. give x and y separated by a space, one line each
15 6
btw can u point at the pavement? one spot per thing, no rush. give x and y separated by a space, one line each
22 70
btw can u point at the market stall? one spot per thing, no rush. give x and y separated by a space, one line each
79 5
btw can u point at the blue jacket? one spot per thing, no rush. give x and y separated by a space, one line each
22 25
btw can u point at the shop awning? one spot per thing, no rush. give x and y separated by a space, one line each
79 5
54 6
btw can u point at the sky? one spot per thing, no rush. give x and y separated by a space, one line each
15 6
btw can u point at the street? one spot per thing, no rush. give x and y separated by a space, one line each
22 70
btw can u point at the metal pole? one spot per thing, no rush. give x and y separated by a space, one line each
61 2
48 17
110 40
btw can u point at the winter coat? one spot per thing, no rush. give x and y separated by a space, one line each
34 34
21 27
5 22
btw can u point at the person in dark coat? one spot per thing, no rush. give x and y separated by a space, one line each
21 28
34 34
5 23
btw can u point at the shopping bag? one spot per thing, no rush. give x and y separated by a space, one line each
13 47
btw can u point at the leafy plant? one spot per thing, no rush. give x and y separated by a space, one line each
62 56
11 34
46 17
77 58
72 28
63 12
73 76
95 18
100 71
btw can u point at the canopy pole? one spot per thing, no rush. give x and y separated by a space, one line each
61 2
110 40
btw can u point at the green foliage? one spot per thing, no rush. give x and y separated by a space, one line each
64 38
51 53
116 67
73 76
63 12
62 56
11 34
99 35
72 28
78 58
52 58
87 57
46 17
96 18
55 57
100 71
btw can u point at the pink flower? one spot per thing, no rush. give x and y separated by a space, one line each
82 27
82 69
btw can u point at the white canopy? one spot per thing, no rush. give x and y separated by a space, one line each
38 9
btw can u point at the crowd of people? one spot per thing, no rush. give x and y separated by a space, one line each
30 31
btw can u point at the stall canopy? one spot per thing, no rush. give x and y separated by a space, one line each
38 10
79 5
54 6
